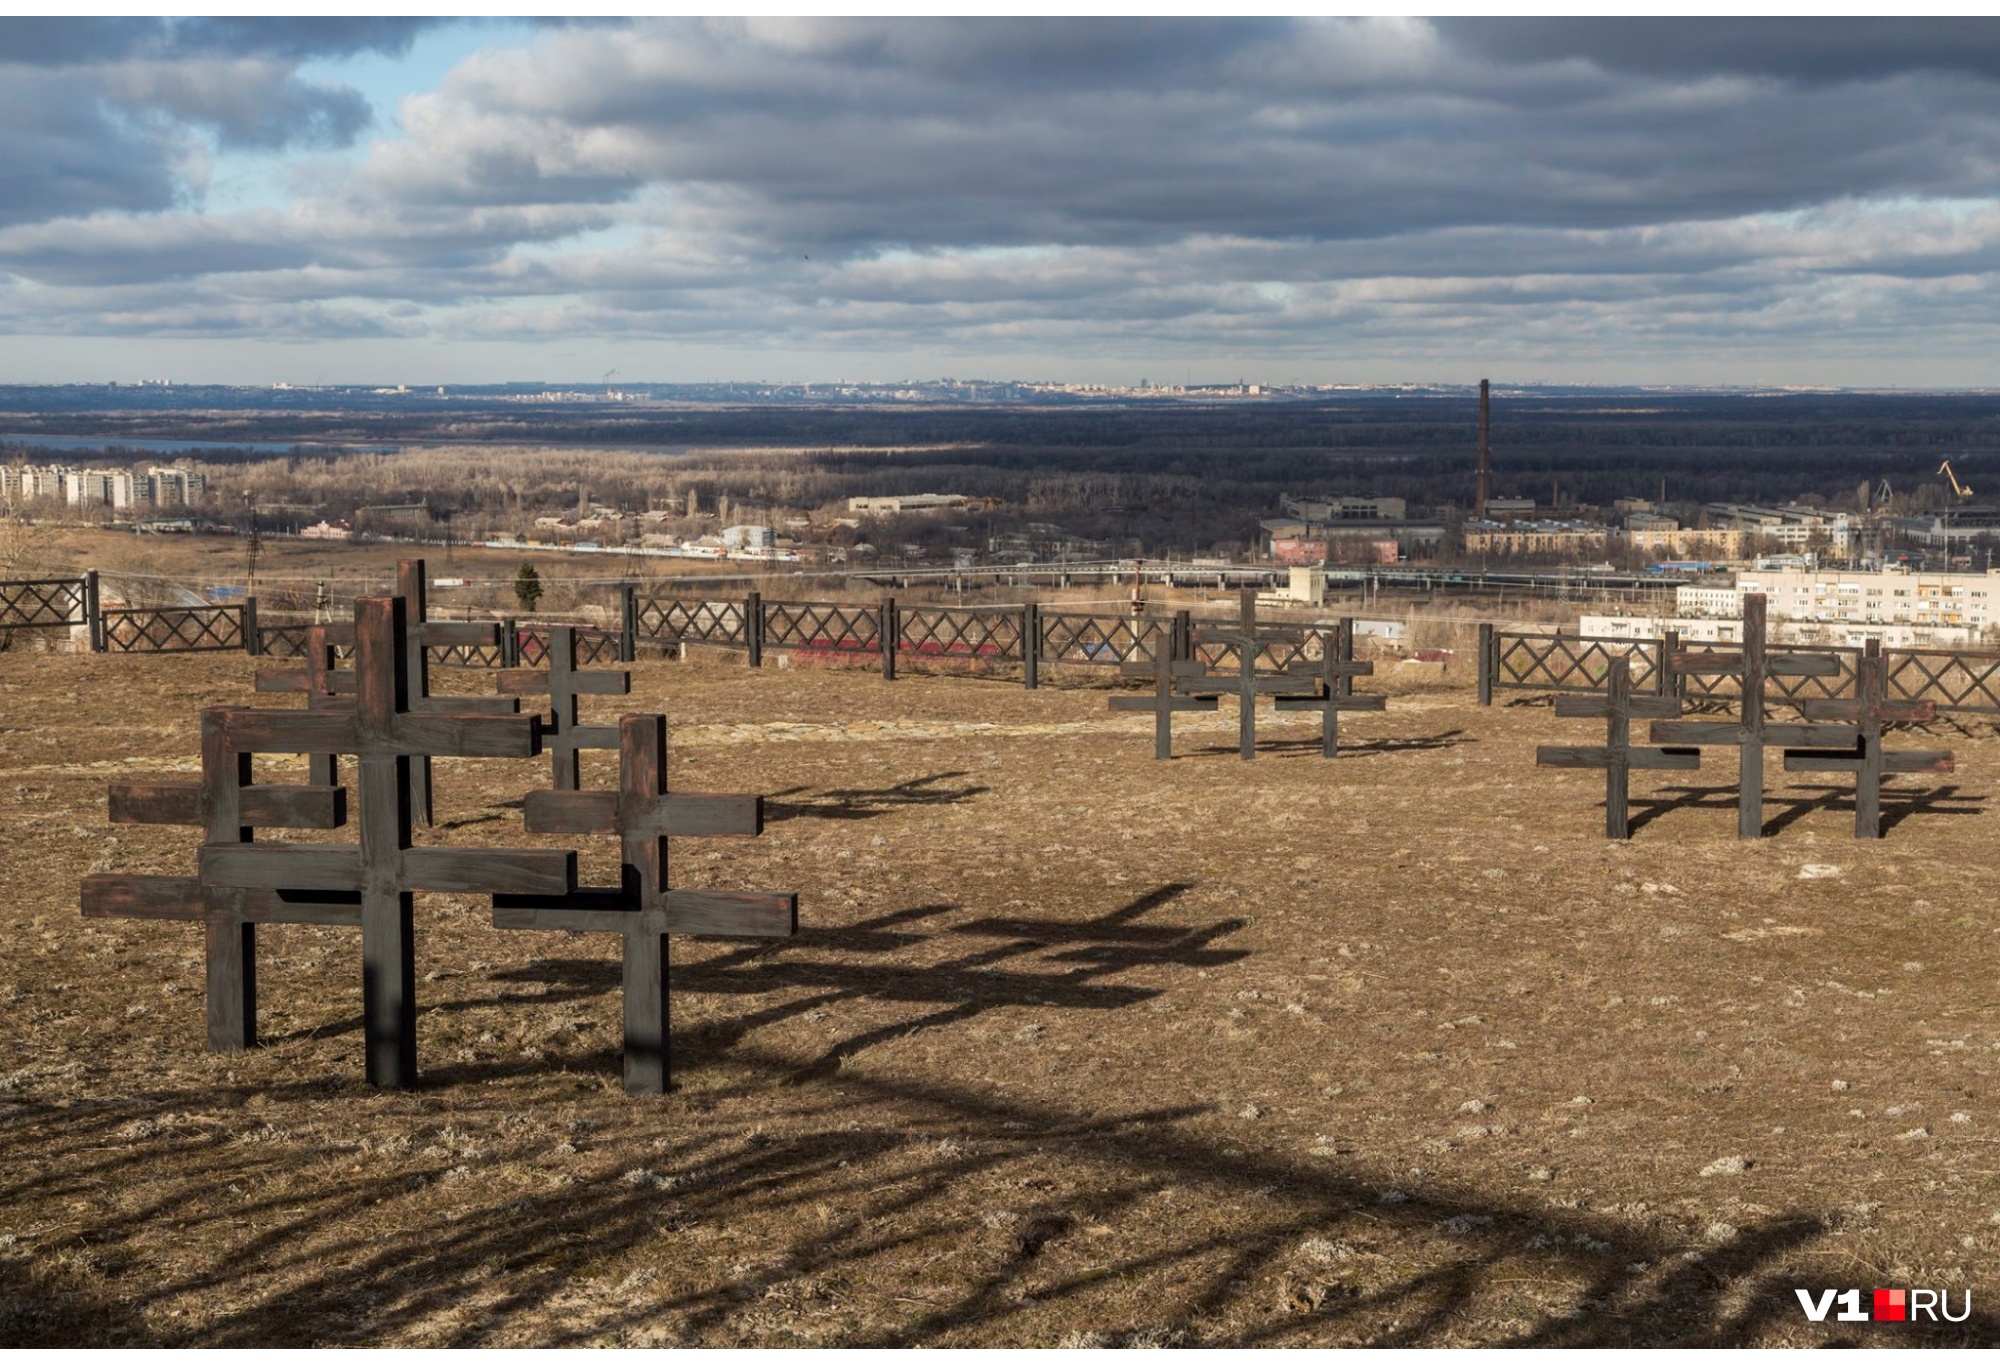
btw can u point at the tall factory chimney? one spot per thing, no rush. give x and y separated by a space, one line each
1485 486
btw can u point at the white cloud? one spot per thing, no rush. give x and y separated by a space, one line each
1317 192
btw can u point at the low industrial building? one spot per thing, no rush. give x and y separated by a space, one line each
906 502
1489 537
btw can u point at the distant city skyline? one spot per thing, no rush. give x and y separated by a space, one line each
1753 203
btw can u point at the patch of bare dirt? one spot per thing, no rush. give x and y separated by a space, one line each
1074 1047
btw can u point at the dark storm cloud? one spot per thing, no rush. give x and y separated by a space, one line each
64 155
106 114
1275 185
938 133
1815 50
93 41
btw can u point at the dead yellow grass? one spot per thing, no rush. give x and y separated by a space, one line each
1074 1047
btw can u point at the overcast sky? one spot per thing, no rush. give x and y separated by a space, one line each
1654 201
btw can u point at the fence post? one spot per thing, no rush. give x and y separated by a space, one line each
253 643
753 628
628 624
93 611
1663 678
510 644
1031 646
888 631
1489 658
1183 636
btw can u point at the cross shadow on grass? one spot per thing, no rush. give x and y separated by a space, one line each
1898 804
1006 961
1355 748
1651 806
882 1211
866 804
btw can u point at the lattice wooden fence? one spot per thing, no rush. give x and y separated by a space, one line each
667 620
593 645
960 633
1952 680
1962 680
1111 641
46 603
1574 663
823 627
172 630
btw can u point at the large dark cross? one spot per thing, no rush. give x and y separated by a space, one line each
329 688
385 733
1751 732
1333 675
1248 684
563 734
644 814
1871 711
1166 671
227 807
1618 756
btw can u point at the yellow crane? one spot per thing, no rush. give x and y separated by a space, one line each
1959 490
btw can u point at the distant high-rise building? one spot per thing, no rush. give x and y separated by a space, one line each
88 487
176 487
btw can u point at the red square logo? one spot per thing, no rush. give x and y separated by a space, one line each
1892 1305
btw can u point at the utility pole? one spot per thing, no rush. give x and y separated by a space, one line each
256 544
1484 488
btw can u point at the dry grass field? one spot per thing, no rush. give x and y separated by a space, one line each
1073 1047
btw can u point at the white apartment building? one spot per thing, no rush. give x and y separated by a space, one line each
1968 602
1902 608
1693 630
1702 630
162 485
87 487
175 487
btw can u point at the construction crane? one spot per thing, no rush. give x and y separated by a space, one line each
607 382
1959 490
1882 494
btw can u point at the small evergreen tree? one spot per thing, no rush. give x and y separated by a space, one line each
527 587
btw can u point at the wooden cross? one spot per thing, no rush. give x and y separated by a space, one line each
1752 731
1248 685
1166 671
329 688
644 814
563 734
385 732
1867 760
1618 756
1334 677
324 685
227 807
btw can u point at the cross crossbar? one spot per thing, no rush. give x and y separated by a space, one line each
564 735
1167 674
643 910
1870 712
228 807
1247 683
1618 756
1751 733
1334 674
